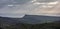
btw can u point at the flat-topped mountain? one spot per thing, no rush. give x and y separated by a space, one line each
37 19
28 19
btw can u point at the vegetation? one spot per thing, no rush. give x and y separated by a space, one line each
34 26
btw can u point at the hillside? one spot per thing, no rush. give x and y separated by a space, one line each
30 22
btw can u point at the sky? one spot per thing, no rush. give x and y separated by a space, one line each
18 8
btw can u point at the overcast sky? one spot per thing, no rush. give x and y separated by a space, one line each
18 8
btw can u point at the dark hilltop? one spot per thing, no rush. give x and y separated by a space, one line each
30 22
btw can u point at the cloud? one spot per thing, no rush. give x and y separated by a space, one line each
50 9
15 10
19 9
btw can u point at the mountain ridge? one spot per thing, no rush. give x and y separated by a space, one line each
32 19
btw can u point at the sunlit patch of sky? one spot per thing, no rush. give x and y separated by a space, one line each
18 8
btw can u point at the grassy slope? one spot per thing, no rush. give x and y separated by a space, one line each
34 26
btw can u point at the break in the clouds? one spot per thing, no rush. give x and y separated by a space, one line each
18 8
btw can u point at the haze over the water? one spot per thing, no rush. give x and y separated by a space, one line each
18 8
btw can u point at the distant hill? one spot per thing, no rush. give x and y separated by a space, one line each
28 20
37 19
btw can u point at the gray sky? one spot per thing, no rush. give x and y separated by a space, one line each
18 8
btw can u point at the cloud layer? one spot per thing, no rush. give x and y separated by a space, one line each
15 8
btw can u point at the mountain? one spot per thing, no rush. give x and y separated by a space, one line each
26 20
30 19
5 21
38 19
